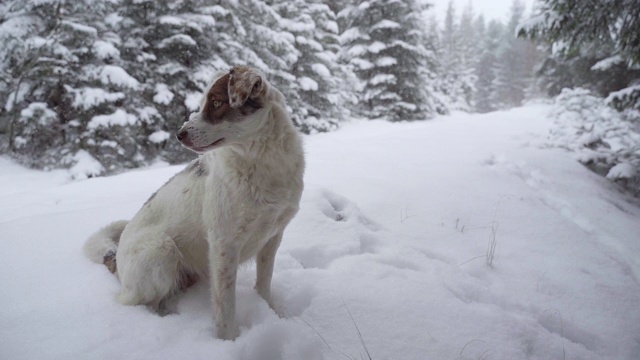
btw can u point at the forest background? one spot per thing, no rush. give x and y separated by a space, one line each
103 85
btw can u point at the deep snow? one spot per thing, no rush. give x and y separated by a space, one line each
392 237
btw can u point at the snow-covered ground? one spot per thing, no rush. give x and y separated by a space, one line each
391 242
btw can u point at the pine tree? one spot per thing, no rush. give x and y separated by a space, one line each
434 69
173 49
383 43
595 44
70 90
318 78
469 40
29 33
515 63
486 67
457 80
266 43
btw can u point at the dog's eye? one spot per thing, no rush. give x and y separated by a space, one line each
217 104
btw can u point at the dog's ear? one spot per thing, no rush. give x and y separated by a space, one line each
244 83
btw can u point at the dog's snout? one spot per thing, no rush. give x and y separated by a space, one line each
182 134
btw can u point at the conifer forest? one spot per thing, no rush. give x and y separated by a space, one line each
109 82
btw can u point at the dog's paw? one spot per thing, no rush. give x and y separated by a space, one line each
244 82
228 332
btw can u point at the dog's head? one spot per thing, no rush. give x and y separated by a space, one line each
229 111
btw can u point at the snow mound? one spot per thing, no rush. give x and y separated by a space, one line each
622 171
85 166
603 139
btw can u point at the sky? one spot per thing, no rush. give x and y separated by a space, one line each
492 9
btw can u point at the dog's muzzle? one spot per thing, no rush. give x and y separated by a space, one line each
183 137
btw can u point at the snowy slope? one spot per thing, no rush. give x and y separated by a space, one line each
392 237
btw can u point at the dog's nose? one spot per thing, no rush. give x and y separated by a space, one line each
181 135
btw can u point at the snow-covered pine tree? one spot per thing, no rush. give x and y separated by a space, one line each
469 49
70 91
434 69
457 80
596 44
28 33
100 95
265 43
319 79
516 61
486 67
173 48
383 43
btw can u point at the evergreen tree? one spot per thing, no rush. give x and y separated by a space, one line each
595 44
383 43
515 63
469 49
486 67
319 79
457 80
434 69
70 90
173 50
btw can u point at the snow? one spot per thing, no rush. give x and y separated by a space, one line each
159 136
385 24
601 137
215 10
148 114
182 39
622 171
89 30
391 242
163 95
34 108
350 35
607 63
171 20
18 97
307 84
85 166
376 47
386 61
192 100
87 98
321 70
112 74
626 92
383 79
105 50
118 118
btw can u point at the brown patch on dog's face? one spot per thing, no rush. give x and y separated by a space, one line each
217 107
217 103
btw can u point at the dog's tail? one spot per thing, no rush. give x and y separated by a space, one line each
101 247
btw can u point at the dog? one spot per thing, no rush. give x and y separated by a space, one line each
230 205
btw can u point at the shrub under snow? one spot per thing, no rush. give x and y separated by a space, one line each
606 141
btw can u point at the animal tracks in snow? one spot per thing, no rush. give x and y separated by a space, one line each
339 229
535 179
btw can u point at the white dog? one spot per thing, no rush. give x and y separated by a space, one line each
231 204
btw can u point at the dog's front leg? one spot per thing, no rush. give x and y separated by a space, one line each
266 260
223 262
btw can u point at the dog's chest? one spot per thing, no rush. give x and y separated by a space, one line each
250 206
